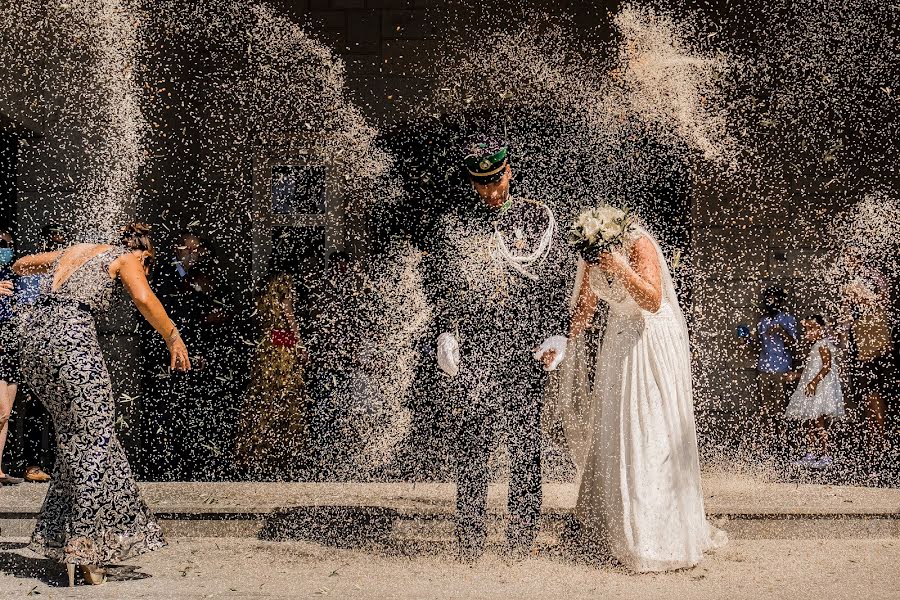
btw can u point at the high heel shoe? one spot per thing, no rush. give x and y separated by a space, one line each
93 575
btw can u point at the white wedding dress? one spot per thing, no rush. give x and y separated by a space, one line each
636 444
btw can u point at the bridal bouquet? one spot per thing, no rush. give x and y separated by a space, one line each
599 230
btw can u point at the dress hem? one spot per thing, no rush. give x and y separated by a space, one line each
104 552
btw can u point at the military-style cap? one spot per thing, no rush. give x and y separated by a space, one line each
486 158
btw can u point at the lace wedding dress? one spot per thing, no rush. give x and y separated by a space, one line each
636 444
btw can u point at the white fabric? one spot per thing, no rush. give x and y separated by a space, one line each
568 400
568 395
448 354
640 482
576 290
556 343
828 400
500 249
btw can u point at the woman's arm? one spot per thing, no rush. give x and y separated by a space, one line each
585 307
35 264
131 272
640 274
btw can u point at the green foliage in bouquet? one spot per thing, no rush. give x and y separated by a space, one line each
599 230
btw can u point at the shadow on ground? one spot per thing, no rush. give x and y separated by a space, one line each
50 572
375 530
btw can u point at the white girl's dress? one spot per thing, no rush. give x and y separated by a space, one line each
828 400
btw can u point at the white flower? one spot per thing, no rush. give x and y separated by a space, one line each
609 214
600 229
590 226
605 221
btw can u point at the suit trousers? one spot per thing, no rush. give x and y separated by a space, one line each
498 399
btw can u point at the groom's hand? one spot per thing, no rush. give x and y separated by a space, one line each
448 354
552 351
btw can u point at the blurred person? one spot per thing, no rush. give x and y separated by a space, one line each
9 359
35 422
865 303
93 514
818 395
775 338
272 427
192 414
337 320
54 237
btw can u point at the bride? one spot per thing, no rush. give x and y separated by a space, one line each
635 441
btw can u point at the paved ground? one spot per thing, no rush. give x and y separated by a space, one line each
788 541
726 494
245 568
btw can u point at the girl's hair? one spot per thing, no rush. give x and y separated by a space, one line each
136 236
270 304
820 320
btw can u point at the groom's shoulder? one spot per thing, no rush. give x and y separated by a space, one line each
534 209
530 203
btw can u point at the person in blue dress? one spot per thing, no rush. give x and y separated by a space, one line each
774 338
36 453
9 361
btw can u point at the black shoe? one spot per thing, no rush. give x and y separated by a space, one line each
519 552
470 552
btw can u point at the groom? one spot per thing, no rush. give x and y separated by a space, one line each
503 301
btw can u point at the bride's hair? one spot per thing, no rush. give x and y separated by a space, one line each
136 236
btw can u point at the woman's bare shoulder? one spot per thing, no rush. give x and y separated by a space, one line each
85 248
643 248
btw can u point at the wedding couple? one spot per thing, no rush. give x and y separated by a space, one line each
505 324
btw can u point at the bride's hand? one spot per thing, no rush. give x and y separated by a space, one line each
612 263
547 358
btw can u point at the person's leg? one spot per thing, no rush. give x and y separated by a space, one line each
770 390
34 432
162 414
876 408
782 393
812 437
823 437
472 455
872 379
523 418
7 396
475 441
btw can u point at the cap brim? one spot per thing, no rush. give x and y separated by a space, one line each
491 176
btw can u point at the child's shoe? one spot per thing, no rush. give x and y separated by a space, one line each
808 460
824 462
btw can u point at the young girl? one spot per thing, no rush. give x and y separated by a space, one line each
819 393
274 419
